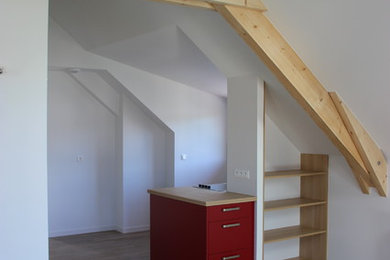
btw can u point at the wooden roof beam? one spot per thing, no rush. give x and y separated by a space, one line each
327 110
192 3
209 4
369 151
259 33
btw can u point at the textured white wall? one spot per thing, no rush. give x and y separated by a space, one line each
23 112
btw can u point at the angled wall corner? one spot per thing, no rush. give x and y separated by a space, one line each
82 170
245 143
131 146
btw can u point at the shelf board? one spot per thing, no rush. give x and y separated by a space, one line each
296 258
291 203
280 234
292 173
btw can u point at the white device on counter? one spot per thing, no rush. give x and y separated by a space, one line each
214 187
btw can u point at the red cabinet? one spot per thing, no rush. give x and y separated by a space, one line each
239 254
183 230
230 211
229 234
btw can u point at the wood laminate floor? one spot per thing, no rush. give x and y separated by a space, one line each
110 245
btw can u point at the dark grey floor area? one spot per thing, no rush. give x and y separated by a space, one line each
108 245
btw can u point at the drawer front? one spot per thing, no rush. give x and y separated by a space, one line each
230 235
244 254
230 211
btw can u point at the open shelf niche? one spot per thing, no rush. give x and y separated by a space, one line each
312 231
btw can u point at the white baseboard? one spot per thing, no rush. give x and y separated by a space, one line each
132 229
80 231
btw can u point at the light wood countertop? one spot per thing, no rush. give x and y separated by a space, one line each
202 197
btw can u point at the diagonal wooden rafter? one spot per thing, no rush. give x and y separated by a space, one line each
369 151
364 184
276 53
332 116
209 4
193 3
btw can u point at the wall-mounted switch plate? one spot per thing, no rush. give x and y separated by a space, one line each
241 173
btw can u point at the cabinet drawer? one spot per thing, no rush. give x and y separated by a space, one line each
230 235
230 211
243 254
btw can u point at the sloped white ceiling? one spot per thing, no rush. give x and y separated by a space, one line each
189 45
140 34
95 23
168 52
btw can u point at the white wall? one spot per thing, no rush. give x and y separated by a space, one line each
245 130
89 118
98 88
358 224
82 194
144 164
349 53
23 90
197 118
280 154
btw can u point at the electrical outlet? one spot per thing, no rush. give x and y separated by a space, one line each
241 173
246 174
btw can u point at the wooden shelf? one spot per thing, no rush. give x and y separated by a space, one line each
292 173
312 204
280 234
291 203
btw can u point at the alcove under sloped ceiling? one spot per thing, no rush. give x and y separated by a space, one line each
128 26
141 31
101 138
141 37
168 52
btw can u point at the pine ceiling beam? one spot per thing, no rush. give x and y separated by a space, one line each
208 4
363 183
259 33
326 109
192 3
372 156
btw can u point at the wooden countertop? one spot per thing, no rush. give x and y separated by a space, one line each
202 197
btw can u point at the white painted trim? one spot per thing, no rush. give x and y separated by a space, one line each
81 231
133 229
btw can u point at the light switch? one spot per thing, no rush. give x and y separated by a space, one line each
241 173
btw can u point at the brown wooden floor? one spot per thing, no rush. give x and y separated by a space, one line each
110 245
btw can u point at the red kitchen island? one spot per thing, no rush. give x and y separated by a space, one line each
188 223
